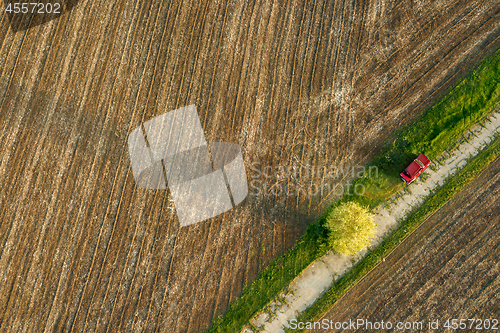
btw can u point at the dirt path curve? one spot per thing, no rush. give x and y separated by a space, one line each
321 274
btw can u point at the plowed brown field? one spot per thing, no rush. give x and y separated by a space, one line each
317 83
447 269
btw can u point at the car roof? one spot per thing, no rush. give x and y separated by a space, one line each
413 168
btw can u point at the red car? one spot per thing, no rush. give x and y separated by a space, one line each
415 168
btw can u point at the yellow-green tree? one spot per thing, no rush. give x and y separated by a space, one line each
350 228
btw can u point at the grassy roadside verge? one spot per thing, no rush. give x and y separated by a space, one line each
432 204
437 130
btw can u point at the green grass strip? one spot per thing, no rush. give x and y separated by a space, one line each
432 204
466 104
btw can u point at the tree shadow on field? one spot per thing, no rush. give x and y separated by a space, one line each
25 14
